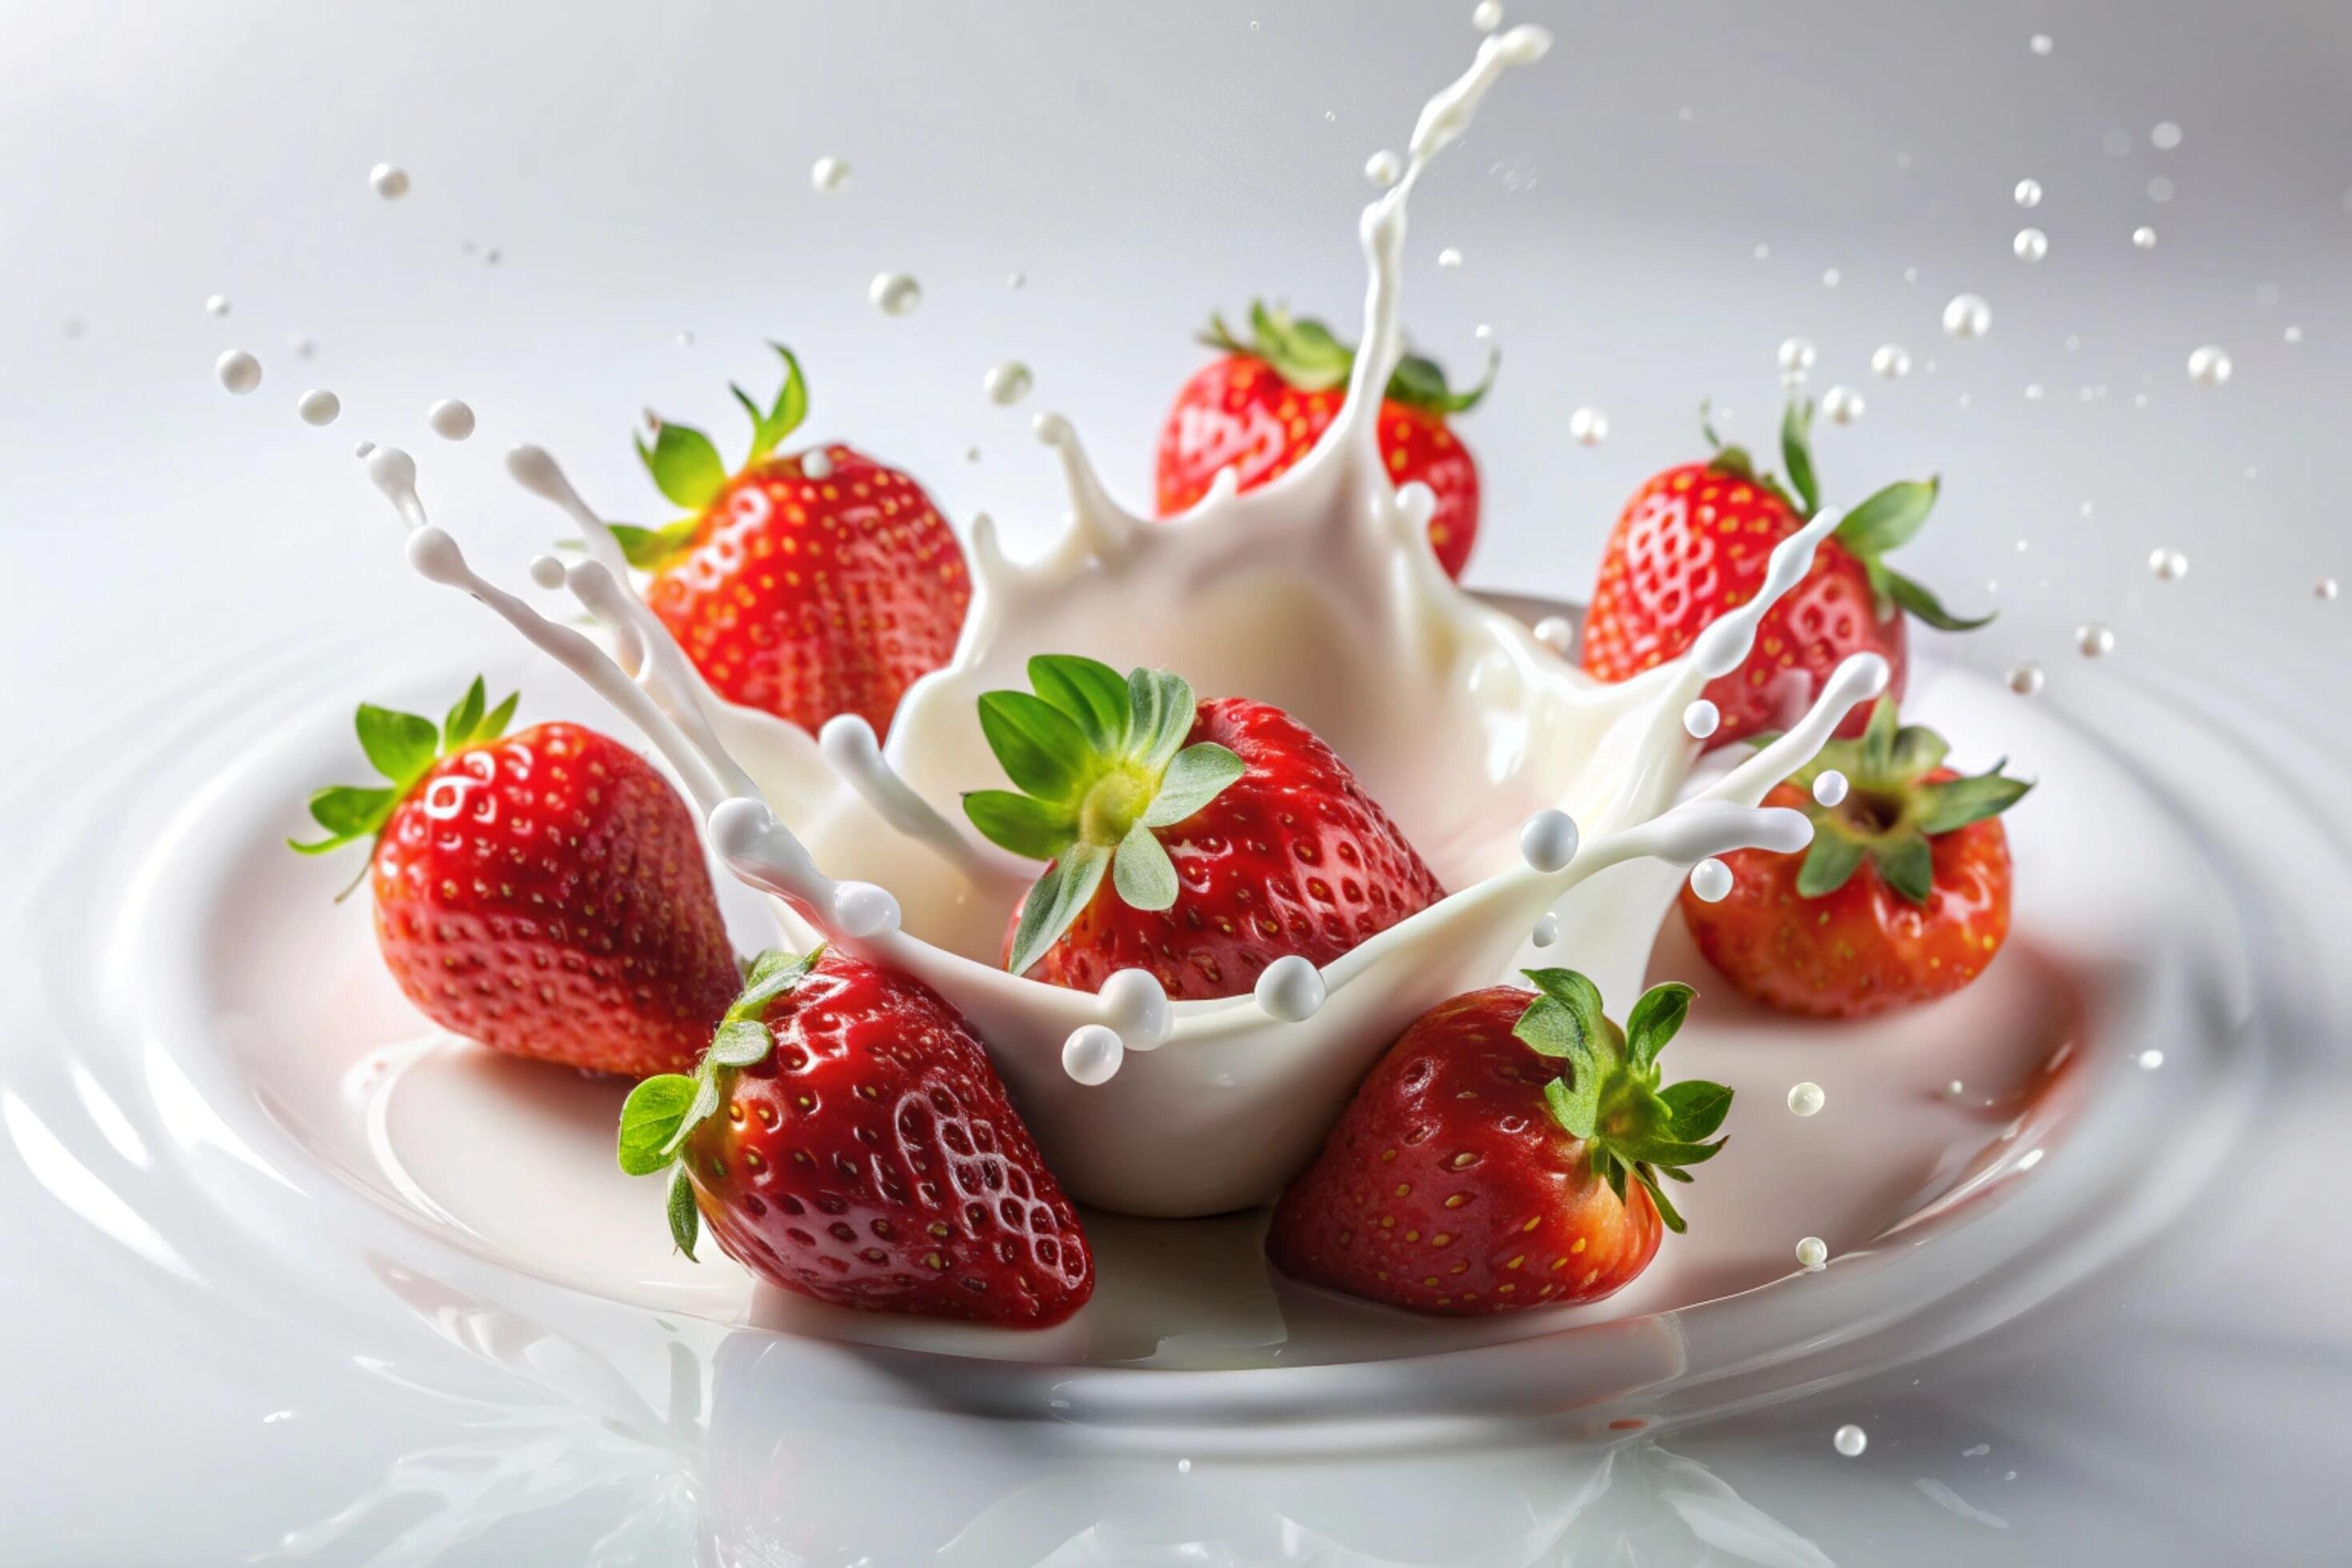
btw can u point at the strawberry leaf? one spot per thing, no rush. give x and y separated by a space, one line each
1829 864
465 717
1887 519
1092 693
685 1214
684 464
740 1043
1160 708
1908 865
1667 1213
782 416
494 723
1697 1106
400 746
1796 453
1914 597
1196 775
651 549
1027 826
1655 1019
1956 802
651 1119
1040 747
1142 873
1056 901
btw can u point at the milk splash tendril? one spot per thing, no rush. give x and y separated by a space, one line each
1546 801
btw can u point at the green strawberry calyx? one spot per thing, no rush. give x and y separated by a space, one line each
403 747
1889 813
1885 520
663 1111
687 468
1098 765
1608 1094
1306 354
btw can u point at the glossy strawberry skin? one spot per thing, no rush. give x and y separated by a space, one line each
873 1161
1863 949
806 597
1293 858
1447 1188
1694 542
547 895
1239 412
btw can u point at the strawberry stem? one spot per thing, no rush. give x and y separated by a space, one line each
403 747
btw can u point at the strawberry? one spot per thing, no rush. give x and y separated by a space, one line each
805 585
846 1139
1264 405
544 894
1198 841
1694 541
1903 897
1505 1153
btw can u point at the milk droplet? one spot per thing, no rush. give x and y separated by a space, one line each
1557 633
2026 679
319 406
2144 237
1967 316
1548 840
390 182
2028 193
1711 880
1589 427
1807 1100
1449 257
1290 991
895 293
2209 366
1701 718
1843 405
1851 1439
238 371
1092 1053
362 449
2165 137
1007 384
2040 43
1892 361
1830 787
301 345
863 910
2032 394
547 571
451 419
1487 16
2159 190
1383 169
2325 588
686 339
1830 277
2168 564
216 305
1797 353
1954 1089
1016 281
829 173
2294 335
1135 1005
1762 252
1547 931
2094 638
2031 245
2151 1059
816 463
1813 1253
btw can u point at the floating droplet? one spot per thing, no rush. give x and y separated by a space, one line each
2294 335
2028 193
1710 880
1807 1100
2151 1059
216 305
1092 1053
2169 564
895 293
2026 679
1007 384
1954 1089
1548 841
2095 638
1589 427
1892 361
816 463
2209 366
1843 405
319 406
1967 316
547 571
1851 1439
2144 237
1290 990
1813 1253
1547 931
301 345
2325 588
390 182
1830 277
1797 353
1701 718
829 173
451 419
2159 190
238 371
2040 43
1557 633
1383 169
2165 137
2031 245
1487 16
1830 787
1449 257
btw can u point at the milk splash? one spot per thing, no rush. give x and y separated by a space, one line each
1548 801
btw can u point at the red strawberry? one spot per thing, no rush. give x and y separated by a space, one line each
807 586
1903 897
544 894
1265 405
1694 541
1200 842
847 1140
1505 1153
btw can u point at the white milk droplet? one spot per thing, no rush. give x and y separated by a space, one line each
1290 991
1807 1100
2144 237
547 571
1711 880
816 463
1702 718
863 910
2031 245
1830 787
2028 193
2325 588
2159 190
1797 353
1547 931
1548 841
2294 335
238 371
829 173
1557 633
1850 1440
362 449
1954 1089
319 406
2151 1059
2168 564
1843 405
1589 427
1487 16
1449 257
1383 168
1830 277
2034 394
2165 137
1813 1253
1967 316
216 305
451 419
1092 1053
2094 638
388 182
1135 1005
895 293
1762 252
2209 366
1892 361
2039 44
2025 679
1016 281
1007 384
